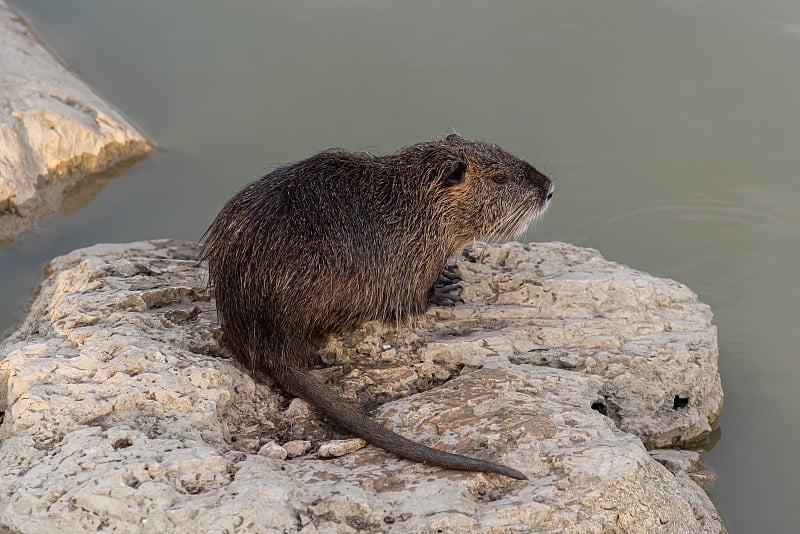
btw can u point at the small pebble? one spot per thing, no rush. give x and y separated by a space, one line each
272 450
298 409
340 447
297 447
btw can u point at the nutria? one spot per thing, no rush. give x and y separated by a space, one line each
323 245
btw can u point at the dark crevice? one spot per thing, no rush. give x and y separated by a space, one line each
600 408
122 443
680 402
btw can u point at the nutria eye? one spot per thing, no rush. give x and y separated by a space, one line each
500 178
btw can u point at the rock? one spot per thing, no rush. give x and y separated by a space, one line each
54 130
298 410
272 450
340 447
297 447
124 413
649 339
677 460
681 462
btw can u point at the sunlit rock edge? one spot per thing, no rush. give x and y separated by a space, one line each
54 130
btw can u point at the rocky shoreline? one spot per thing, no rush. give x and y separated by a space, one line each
54 130
122 411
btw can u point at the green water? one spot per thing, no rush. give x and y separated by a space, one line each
671 128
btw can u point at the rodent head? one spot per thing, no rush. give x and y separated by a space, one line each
488 191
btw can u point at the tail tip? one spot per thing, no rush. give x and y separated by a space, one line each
512 473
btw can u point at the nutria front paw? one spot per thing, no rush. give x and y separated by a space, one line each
449 274
441 294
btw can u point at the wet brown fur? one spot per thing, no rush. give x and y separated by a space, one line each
325 244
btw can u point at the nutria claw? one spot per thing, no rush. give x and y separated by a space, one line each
448 274
441 292
441 295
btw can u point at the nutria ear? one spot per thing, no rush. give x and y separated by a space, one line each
452 137
456 173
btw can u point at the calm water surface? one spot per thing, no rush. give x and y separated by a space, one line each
671 128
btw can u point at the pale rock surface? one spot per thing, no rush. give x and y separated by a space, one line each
54 130
686 462
297 447
124 414
272 450
340 447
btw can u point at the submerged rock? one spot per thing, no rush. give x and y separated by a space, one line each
124 413
54 131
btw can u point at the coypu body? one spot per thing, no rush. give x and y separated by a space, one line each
323 245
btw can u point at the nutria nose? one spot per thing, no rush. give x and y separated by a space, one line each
550 191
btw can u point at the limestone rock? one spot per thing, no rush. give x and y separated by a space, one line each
340 447
677 460
124 413
54 130
683 462
297 447
272 450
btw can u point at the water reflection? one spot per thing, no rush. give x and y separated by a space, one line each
81 194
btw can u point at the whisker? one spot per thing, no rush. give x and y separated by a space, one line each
499 227
515 223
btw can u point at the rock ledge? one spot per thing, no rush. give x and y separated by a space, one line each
54 130
123 413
